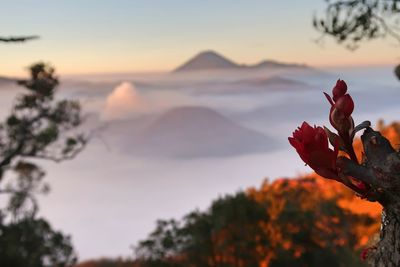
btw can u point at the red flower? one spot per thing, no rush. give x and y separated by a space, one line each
341 110
313 148
339 90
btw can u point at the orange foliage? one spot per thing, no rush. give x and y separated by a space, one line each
309 191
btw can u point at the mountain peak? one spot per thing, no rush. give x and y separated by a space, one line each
211 60
210 53
205 60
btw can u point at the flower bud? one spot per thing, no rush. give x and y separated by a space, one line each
345 105
339 90
342 106
340 121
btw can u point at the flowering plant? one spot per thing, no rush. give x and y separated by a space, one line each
375 178
311 143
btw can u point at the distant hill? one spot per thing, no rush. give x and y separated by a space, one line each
191 132
6 80
211 60
276 64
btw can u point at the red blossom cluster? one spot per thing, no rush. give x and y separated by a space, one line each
311 143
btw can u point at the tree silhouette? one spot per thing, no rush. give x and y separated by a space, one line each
352 22
32 242
39 127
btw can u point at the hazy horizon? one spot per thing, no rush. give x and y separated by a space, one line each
94 73
139 36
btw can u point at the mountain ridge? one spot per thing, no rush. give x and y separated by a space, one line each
4 79
212 60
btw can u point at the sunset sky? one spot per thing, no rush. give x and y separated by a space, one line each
93 36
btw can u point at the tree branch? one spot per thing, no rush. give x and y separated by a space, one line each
18 39
360 172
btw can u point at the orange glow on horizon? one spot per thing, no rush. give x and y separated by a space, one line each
88 60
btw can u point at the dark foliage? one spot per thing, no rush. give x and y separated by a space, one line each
19 39
38 128
352 22
32 242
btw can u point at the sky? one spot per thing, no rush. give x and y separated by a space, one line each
97 36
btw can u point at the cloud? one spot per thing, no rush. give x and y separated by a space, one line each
123 101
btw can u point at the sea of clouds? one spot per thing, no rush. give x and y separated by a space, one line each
109 197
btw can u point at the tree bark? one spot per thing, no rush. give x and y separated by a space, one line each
380 171
387 251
